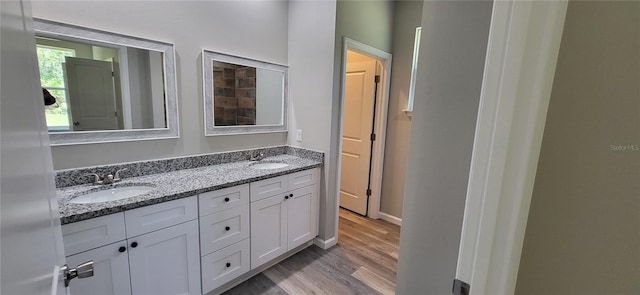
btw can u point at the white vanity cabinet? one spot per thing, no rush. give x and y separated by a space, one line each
286 219
155 252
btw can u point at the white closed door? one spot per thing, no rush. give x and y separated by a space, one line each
302 216
356 135
110 271
166 261
268 229
31 238
91 94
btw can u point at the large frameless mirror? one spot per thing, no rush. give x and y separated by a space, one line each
103 87
243 95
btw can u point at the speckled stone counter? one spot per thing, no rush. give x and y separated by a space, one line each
176 184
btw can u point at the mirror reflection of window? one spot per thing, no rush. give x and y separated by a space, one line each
50 62
101 86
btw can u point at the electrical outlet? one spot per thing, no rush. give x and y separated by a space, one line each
299 135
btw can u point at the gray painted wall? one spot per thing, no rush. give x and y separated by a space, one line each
369 22
451 64
583 230
311 50
254 29
408 15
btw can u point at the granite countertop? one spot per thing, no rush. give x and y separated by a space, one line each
174 185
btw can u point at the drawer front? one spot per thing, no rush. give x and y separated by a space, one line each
304 178
216 201
93 233
159 216
223 229
224 265
269 187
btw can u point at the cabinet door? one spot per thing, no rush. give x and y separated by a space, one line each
110 271
268 230
302 216
166 261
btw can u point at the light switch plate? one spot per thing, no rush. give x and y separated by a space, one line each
299 135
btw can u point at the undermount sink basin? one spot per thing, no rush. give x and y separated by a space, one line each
268 165
112 194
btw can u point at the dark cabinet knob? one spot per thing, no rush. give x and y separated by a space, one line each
228 264
286 197
290 195
226 200
134 244
227 228
122 249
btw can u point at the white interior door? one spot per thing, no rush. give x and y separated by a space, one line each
356 132
31 238
91 94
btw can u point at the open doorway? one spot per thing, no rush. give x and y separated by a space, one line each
365 94
371 244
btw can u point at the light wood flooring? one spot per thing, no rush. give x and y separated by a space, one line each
364 262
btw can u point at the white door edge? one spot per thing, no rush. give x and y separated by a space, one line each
524 42
381 111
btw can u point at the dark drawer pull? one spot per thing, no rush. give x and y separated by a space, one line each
134 244
227 228
228 264
122 249
226 200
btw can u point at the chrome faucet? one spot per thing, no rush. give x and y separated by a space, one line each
256 156
107 179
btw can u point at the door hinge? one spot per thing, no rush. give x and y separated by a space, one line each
113 74
368 192
460 287
377 79
373 136
116 113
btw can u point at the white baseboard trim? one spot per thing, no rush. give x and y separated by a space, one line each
390 218
325 244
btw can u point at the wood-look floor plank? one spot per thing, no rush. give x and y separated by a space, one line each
257 285
375 281
363 262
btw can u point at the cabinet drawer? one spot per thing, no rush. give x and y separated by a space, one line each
224 265
158 216
303 178
223 229
216 201
269 187
93 233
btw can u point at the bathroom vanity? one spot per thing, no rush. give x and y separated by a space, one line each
197 231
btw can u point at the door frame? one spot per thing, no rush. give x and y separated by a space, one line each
524 41
380 126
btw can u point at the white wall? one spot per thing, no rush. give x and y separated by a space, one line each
254 29
268 97
408 15
450 69
311 55
583 229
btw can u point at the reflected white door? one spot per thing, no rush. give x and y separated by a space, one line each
356 132
31 238
91 94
